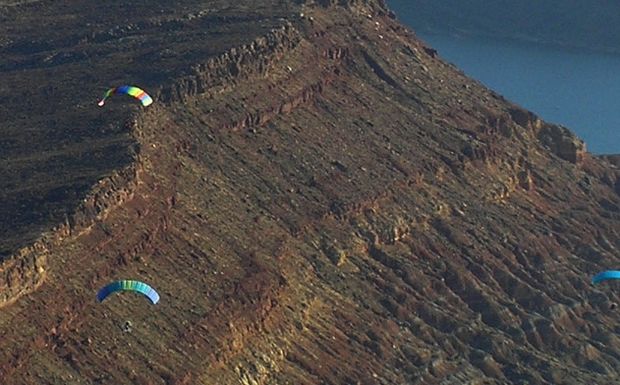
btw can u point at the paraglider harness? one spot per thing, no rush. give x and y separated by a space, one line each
127 327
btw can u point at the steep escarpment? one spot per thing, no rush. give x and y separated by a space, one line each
56 145
329 202
24 270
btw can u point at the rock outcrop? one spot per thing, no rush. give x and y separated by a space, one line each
316 196
562 142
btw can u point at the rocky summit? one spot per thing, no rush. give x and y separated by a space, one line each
317 197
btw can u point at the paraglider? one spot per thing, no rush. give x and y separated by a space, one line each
127 327
136 92
128 285
605 275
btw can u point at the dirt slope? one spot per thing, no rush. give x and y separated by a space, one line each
316 196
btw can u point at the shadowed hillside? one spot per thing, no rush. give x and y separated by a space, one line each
317 197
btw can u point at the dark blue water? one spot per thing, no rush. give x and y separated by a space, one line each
579 90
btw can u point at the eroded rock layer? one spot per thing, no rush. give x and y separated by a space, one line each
323 201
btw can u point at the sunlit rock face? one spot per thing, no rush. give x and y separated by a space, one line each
315 195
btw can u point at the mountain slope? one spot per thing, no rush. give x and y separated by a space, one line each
322 201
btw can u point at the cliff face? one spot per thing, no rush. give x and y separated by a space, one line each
319 200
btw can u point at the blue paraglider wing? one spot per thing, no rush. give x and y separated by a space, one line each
127 285
609 274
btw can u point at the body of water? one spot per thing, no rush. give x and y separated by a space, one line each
579 90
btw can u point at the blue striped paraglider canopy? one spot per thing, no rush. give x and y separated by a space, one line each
605 275
128 285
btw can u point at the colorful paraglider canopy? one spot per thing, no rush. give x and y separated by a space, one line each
128 285
605 275
136 92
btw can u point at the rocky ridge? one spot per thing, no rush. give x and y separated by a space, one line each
330 203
